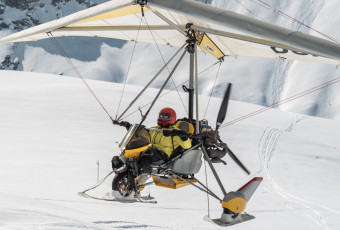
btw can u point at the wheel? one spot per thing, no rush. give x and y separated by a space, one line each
122 185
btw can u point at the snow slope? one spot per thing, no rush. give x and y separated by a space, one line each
52 133
258 81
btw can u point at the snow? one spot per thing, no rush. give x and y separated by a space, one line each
53 133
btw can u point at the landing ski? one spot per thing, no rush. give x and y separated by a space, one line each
109 197
241 218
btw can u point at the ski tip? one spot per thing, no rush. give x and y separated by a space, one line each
81 194
231 221
208 219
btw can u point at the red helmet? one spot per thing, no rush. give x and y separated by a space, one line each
167 116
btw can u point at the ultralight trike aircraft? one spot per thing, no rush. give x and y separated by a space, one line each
191 26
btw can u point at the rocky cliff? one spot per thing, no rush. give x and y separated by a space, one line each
16 15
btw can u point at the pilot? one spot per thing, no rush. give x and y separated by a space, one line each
163 145
163 142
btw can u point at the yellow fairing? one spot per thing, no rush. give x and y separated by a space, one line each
134 9
141 181
236 205
173 183
206 44
190 128
135 152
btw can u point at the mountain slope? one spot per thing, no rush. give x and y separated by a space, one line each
53 132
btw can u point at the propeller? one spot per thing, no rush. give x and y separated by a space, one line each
220 118
224 106
237 161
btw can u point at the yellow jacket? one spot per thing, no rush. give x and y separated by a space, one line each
167 144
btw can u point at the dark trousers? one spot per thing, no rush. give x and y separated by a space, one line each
148 157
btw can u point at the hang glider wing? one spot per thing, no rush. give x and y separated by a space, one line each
218 32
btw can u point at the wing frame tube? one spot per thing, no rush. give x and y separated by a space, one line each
168 21
114 28
67 20
246 38
308 43
196 88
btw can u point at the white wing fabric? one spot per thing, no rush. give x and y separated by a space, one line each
221 33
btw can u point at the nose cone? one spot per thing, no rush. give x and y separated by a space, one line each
235 202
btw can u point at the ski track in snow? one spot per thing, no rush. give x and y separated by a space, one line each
277 82
36 220
267 146
30 220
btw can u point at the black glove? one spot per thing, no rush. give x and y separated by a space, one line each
174 132
178 132
116 162
167 132
125 124
179 150
184 138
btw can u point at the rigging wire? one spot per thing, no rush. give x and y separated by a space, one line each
166 65
323 34
184 82
281 13
294 97
297 21
61 50
127 73
212 90
206 182
249 11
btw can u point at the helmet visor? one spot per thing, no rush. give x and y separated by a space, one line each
164 117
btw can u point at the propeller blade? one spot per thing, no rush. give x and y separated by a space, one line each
223 109
237 161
